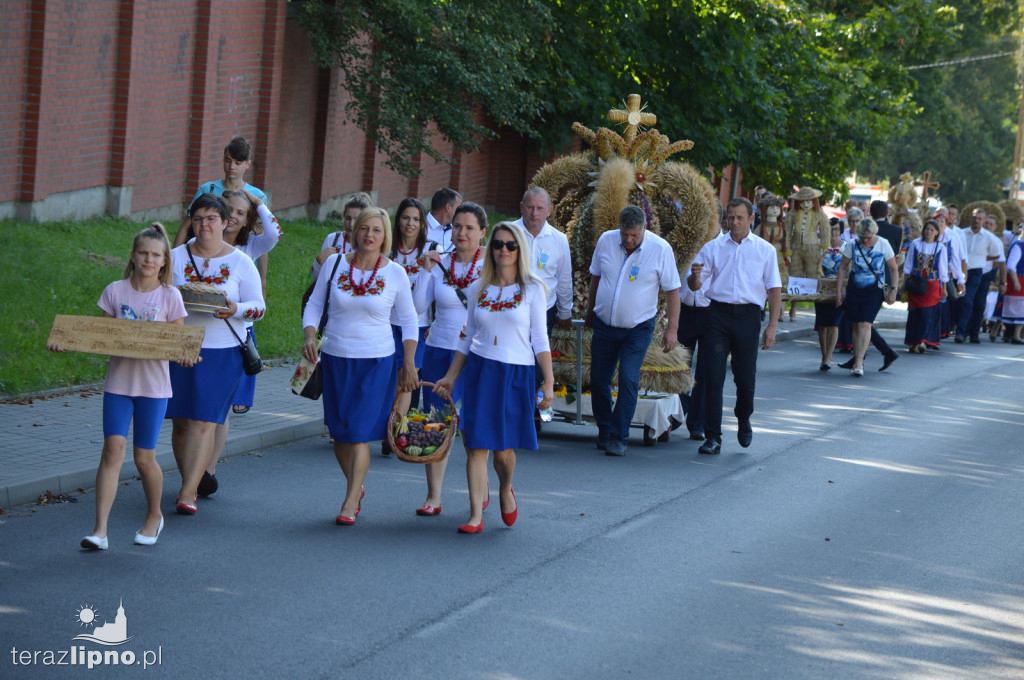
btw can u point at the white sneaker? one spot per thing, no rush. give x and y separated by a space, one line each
857 372
149 540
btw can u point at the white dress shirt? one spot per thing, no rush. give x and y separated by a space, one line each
739 273
981 246
553 264
439 234
627 294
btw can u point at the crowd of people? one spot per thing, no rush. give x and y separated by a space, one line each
443 297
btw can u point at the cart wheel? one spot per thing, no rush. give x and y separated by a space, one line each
664 436
649 439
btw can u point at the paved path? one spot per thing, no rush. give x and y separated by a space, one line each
53 443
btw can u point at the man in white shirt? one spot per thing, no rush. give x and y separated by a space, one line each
439 219
983 249
693 311
737 271
549 249
628 268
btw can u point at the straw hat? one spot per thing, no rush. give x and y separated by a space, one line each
806 194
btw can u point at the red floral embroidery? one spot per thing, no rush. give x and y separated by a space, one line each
191 276
254 314
346 285
498 305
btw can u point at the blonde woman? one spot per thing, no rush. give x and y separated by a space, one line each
506 334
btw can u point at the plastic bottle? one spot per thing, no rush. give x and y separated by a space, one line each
546 414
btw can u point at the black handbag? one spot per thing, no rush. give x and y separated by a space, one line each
314 385
251 362
918 285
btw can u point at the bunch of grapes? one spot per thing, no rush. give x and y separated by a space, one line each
417 437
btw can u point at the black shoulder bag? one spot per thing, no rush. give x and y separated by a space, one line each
918 285
314 387
251 362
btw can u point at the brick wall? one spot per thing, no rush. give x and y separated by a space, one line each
124 107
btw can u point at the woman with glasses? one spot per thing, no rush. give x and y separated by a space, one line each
202 395
445 283
864 260
506 334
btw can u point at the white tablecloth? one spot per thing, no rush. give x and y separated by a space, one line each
653 411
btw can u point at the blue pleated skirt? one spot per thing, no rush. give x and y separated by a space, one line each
498 405
204 392
396 331
358 394
436 362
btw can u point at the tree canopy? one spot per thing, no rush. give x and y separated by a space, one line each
794 91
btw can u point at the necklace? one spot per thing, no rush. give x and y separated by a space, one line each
407 252
462 282
359 289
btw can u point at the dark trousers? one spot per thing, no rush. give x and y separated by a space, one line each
971 306
879 342
691 336
625 348
730 329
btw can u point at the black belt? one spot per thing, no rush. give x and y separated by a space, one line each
739 306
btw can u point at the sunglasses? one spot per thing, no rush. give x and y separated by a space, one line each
511 246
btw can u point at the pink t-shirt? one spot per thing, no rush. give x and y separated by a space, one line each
140 377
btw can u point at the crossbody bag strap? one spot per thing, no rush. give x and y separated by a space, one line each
196 268
868 264
327 296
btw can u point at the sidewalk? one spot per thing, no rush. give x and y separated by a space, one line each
53 444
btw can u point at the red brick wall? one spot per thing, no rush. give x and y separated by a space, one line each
119 93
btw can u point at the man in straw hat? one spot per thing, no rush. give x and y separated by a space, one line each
808 233
738 271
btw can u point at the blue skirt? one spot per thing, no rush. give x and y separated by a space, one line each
204 392
924 324
826 314
862 304
358 394
436 362
497 412
246 392
396 331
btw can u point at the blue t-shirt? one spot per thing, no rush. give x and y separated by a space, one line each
218 189
867 264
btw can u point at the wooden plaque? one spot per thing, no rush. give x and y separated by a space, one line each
126 337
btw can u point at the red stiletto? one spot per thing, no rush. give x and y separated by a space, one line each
509 518
343 521
471 528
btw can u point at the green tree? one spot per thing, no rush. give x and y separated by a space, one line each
417 69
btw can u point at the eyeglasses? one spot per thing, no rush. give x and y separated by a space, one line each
511 246
209 219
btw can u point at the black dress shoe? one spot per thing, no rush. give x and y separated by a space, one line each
745 433
959 339
888 361
696 435
846 364
602 444
975 340
208 485
711 446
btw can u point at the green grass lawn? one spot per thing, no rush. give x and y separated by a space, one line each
63 267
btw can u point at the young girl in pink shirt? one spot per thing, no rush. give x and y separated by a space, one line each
136 390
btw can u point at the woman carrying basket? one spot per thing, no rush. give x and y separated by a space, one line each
359 376
506 328
447 286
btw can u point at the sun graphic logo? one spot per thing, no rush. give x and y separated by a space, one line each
111 633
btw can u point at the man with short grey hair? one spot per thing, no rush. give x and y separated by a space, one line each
549 255
629 267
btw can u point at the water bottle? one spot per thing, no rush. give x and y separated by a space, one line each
546 414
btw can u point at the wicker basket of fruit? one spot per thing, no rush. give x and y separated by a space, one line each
419 437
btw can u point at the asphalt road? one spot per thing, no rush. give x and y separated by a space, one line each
871 531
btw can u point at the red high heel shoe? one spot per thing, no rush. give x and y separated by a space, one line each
509 518
471 528
343 521
184 508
